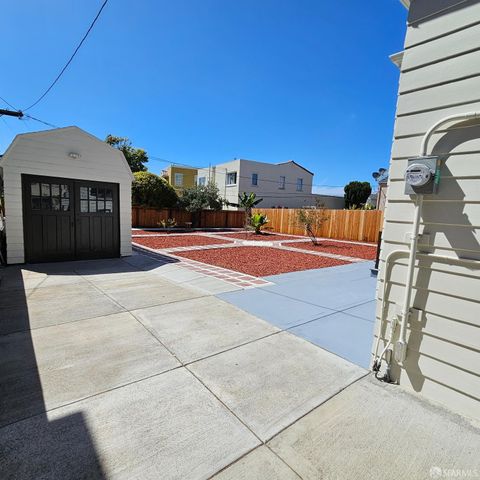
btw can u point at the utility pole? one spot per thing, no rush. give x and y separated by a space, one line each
11 113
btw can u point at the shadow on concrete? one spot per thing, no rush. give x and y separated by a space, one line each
62 448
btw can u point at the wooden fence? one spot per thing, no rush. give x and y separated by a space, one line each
151 218
360 225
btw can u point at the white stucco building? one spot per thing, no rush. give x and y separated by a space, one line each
285 184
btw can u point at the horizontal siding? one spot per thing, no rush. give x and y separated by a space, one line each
432 215
48 155
456 141
443 25
462 165
451 45
456 68
451 94
440 76
417 124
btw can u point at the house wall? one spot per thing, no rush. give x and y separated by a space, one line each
189 177
46 153
440 76
267 185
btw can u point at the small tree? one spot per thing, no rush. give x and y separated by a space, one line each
356 194
136 157
247 202
201 197
311 220
152 191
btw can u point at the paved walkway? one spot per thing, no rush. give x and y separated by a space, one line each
331 307
123 369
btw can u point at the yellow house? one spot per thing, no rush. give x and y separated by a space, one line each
180 177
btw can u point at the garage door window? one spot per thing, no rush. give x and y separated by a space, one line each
50 196
96 200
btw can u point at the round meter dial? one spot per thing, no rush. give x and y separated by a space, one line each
418 175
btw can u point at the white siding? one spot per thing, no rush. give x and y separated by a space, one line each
440 76
46 153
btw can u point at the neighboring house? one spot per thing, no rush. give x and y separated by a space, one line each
286 184
67 196
440 77
180 177
382 194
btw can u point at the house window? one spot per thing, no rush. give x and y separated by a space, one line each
231 178
179 179
299 184
202 181
281 184
254 178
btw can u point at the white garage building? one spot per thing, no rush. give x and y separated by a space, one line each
67 196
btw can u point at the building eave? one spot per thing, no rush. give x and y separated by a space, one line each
405 3
397 59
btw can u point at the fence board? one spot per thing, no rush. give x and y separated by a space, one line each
143 217
359 225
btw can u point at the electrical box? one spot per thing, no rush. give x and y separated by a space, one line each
422 175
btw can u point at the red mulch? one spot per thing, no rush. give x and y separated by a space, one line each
348 249
177 241
260 261
166 232
262 237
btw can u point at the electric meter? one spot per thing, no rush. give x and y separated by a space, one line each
417 175
422 175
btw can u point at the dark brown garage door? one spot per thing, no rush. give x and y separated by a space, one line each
68 219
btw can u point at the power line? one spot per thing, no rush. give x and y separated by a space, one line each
9 104
40 121
70 59
263 179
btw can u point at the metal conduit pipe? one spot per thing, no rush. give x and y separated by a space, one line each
377 359
401 345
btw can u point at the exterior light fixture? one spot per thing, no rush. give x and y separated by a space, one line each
74 155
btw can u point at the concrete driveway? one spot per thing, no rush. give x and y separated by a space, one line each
124 369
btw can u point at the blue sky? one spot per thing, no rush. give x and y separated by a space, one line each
204 81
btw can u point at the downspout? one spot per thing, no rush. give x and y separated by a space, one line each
401 345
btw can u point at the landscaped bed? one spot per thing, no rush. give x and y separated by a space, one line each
263 237
171 241
260 261
172 232
339 248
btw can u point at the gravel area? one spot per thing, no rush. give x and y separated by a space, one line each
260 261
348 249
166 232
268 237
170 241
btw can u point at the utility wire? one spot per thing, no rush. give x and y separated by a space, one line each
69 61
9 104
40 121
217 171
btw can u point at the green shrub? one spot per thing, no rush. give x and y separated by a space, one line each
150 190
257 221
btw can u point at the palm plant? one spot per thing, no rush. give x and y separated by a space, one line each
247 202
258 220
